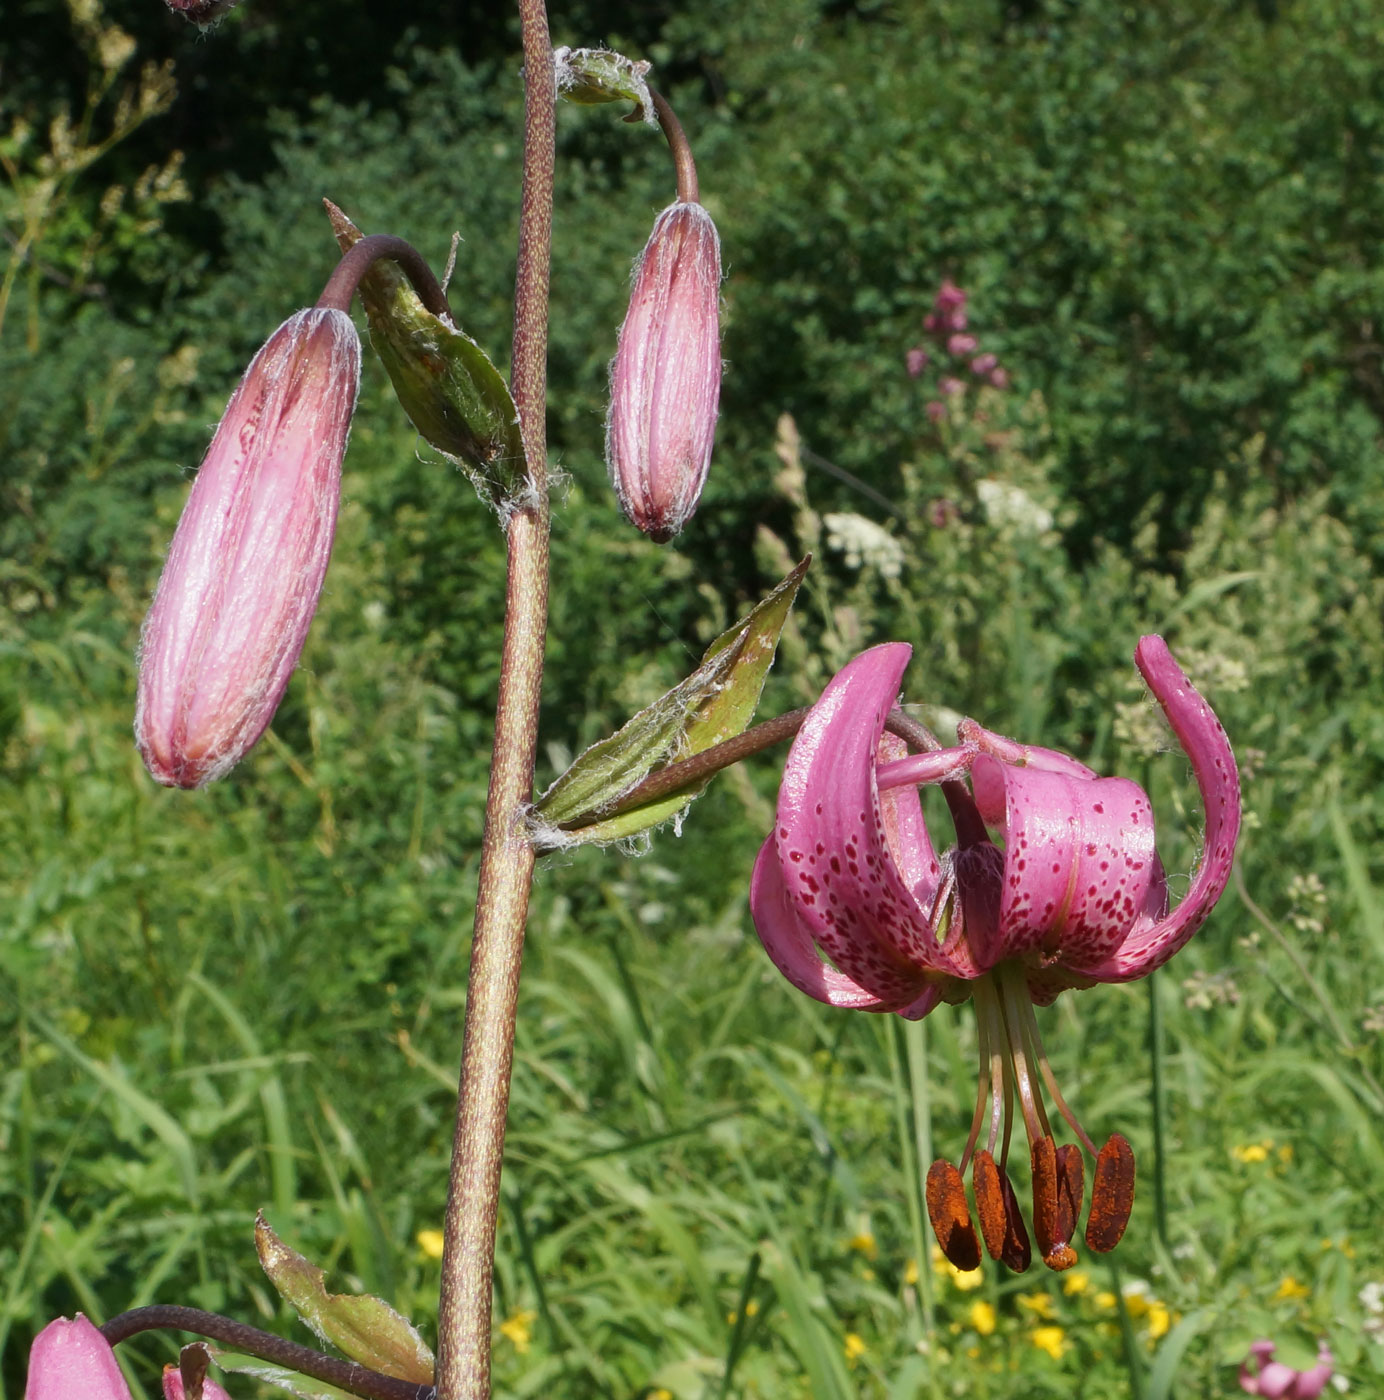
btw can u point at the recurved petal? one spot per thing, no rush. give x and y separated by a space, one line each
1155 939
1080 867
788 941
833 845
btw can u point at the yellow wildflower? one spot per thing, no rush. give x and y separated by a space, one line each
1137 1297
863 1242
1039 1304
1076 1281
854 1347
518 1328
430 1242
910 1273
1052 1340
1285 1155
660 1394
1290 1288
982 1317
1106 1301
965 1280
1251 1153
1160 1319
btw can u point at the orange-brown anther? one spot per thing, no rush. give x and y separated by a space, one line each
1006 1236
1112 1194
989 1193
1071 1183
1017 1254
1057 1253
950 1217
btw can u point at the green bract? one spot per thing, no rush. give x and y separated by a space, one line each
449 388
715 703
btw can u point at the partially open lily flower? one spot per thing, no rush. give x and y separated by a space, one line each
1073 894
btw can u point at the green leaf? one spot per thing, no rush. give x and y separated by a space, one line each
365 1328
452 393
715 703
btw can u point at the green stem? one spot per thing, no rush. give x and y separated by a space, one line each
507 857
1158 1052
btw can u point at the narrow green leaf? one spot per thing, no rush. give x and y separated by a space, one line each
715 703
449 388
365 1328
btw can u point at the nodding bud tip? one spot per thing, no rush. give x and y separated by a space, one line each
247 561
665 379
71 1358
174 1389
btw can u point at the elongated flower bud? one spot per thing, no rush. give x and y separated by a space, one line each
71 1358
665 380
246 565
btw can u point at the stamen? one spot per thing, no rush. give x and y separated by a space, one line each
1050 1080
1071 1182
1029 1103
1112 1194
1057 1253
950 1217
988 1069
1001 1224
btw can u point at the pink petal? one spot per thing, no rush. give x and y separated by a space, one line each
788 941
71 1359
1199 732
1079 861
858 905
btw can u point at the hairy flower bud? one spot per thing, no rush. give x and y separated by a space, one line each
665 380
246 565
71 1358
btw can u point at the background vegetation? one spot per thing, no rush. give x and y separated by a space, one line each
1168 217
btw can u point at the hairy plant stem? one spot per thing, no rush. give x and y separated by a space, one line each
507 857
676 137
345 1375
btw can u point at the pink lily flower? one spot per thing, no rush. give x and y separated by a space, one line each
71 1358
1075 895
1279 1382
249 556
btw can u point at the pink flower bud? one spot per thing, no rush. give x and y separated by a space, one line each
665 380
998 378
70 1359
246 565
936 411
951 385
961 344
916 360
983 364
173 1388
